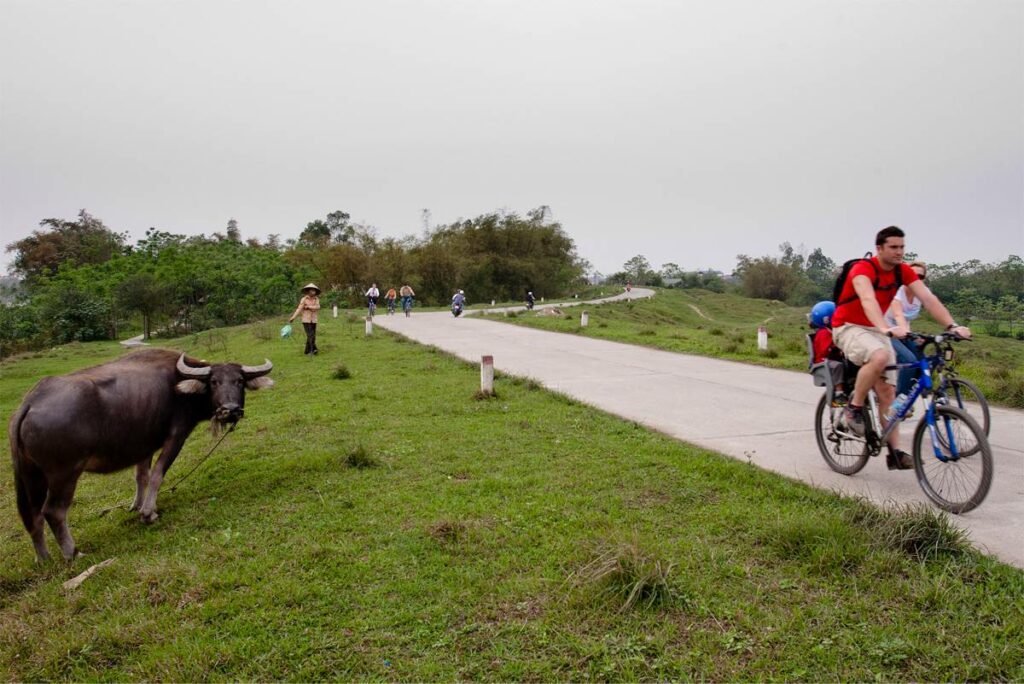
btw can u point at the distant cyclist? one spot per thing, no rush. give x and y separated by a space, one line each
860 329
390 299
407 295
371 298
529 300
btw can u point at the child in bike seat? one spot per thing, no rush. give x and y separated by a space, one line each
820 319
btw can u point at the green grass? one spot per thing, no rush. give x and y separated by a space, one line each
390 526
725 326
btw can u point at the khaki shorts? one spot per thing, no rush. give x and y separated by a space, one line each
859 343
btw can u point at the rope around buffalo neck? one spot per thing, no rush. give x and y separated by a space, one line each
182 478
203 460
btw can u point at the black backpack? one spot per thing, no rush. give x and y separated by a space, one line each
837 289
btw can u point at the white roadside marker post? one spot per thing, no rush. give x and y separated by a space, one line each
369 325
487 374
335 310
762 338
584 319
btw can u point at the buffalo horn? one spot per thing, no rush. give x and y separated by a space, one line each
252 372
189 371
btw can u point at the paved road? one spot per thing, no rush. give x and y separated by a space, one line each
744 411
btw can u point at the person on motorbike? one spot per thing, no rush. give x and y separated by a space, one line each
529 300
458 302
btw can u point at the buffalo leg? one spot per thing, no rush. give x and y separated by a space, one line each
141 482
168 453
55 510
32 487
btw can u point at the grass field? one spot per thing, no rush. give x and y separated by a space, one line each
725 326
371 520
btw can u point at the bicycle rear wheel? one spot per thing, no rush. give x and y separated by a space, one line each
969 399
843 455
960 483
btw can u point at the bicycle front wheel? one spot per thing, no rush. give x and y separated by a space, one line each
969 399
960 482
843 455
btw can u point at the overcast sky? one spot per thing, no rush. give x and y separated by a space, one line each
687 132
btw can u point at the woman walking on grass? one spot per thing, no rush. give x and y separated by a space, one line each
309 306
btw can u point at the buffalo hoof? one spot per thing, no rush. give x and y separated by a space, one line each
149 518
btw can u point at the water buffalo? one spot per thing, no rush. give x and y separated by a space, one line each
113 416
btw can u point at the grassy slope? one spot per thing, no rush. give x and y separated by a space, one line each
462 553
728 329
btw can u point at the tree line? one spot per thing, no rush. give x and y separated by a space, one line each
80 280
989 295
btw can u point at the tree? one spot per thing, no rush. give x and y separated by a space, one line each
144 293
75 243
637 269
339 227
820 269
233 233
768 278
791 258
671 270
316 234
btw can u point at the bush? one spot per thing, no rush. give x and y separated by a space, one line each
360 458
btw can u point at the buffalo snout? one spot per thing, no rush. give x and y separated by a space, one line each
229 413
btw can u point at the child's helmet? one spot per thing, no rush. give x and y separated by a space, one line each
821 314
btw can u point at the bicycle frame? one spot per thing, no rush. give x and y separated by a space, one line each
922 387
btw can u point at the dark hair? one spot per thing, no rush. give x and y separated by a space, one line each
886 233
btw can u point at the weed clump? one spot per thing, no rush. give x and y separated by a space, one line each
916 530
629 573
341 372
448 531
483 395
359 457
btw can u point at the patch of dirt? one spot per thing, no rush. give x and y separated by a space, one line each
699 312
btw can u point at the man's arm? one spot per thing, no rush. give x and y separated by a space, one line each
898 315
936 308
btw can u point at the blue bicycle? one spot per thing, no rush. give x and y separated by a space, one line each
955 473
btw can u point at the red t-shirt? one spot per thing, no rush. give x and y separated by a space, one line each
823 347
885 291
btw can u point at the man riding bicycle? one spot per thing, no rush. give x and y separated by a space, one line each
371 297
860 329
407 294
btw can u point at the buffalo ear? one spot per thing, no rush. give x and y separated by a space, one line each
190 387
259 383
